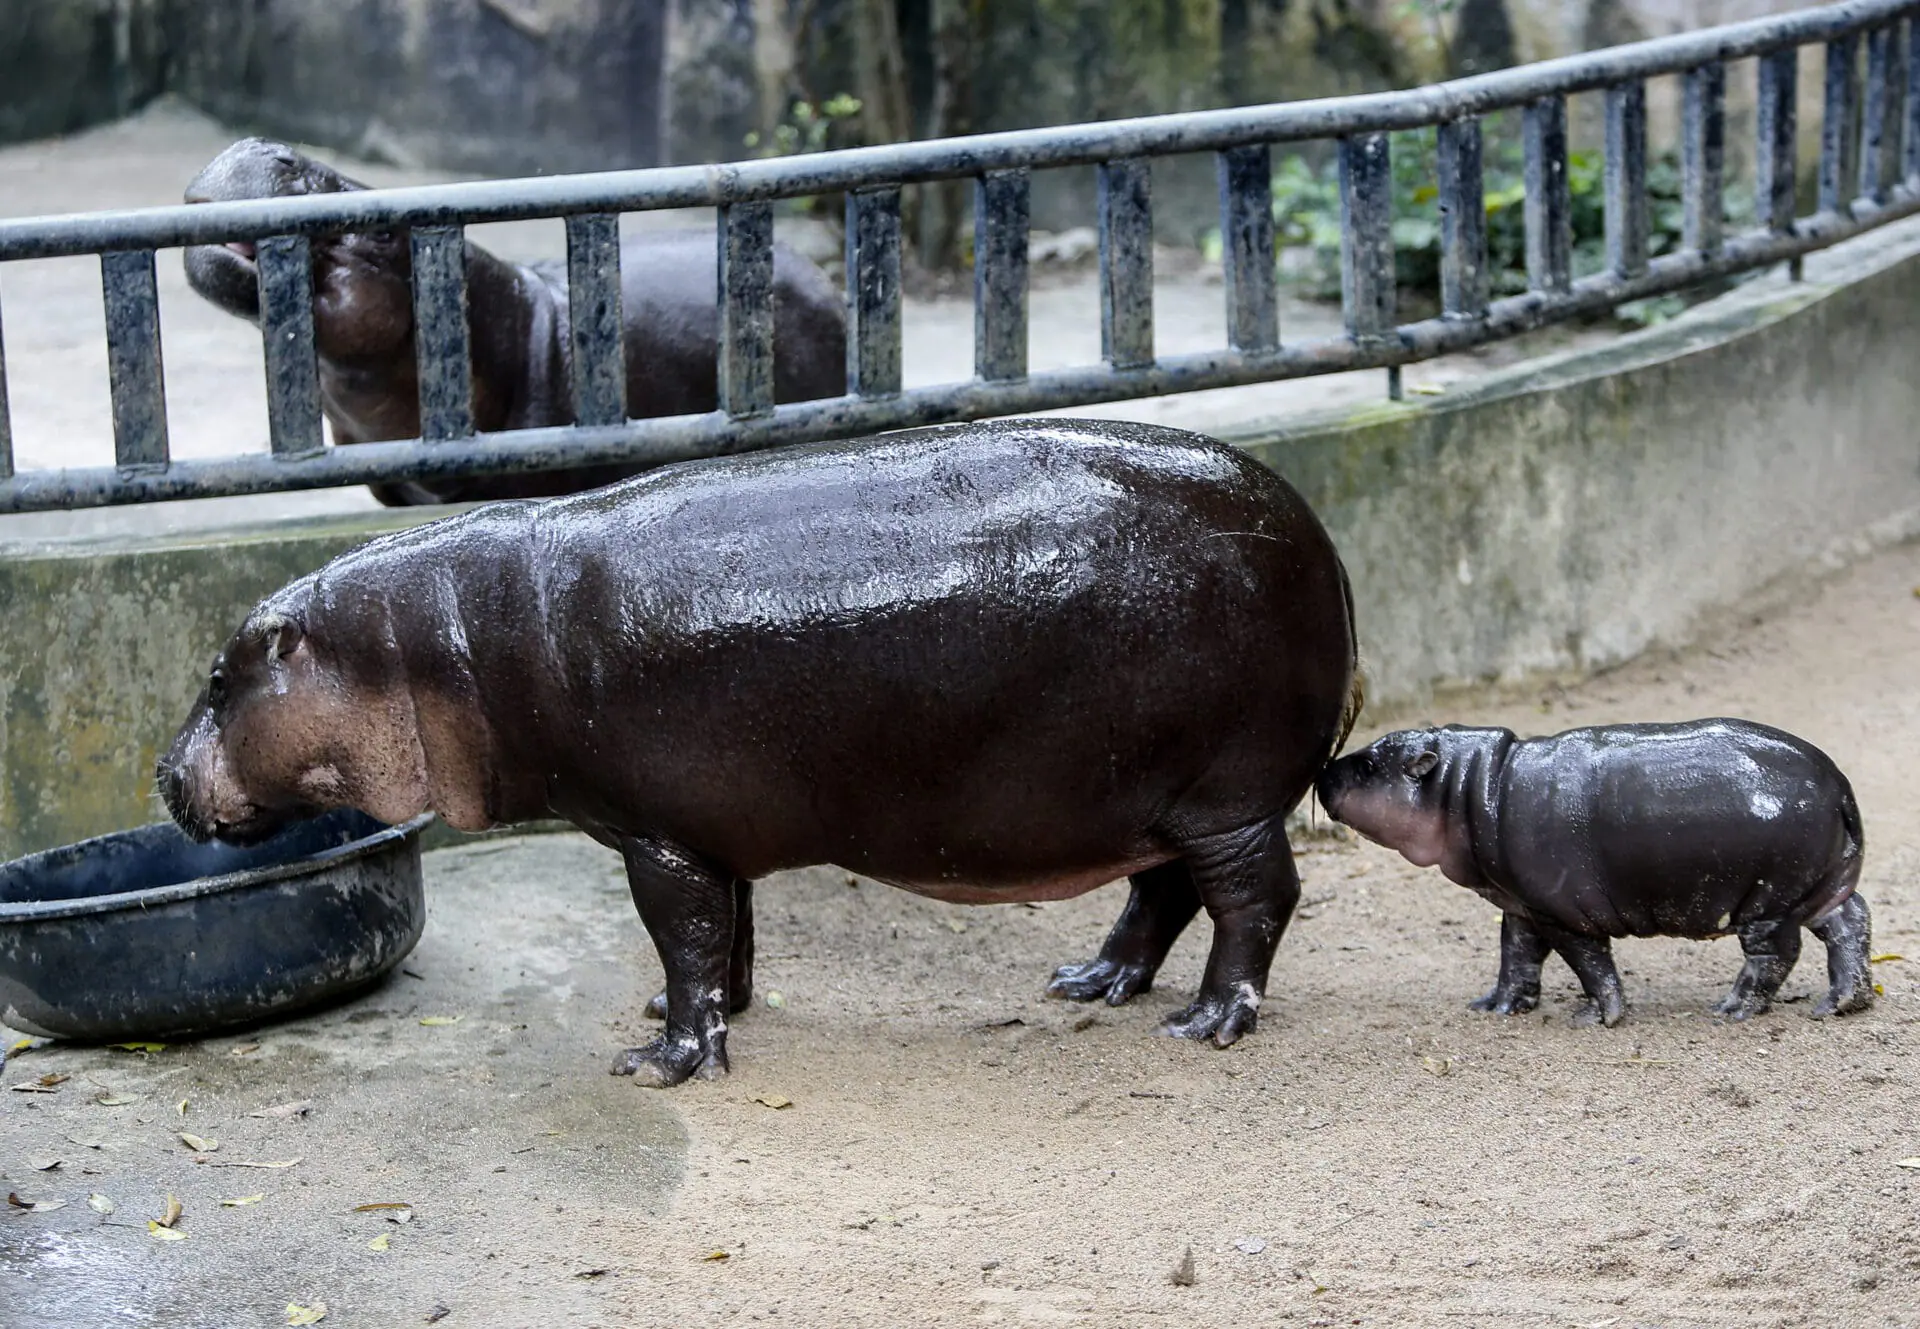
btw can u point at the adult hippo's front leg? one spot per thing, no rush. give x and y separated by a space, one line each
1163 901
689 909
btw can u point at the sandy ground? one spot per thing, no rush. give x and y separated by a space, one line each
959 1150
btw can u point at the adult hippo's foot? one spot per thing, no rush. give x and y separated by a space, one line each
1848 934
1522 951
1163 901
1246 881
739 965
689 910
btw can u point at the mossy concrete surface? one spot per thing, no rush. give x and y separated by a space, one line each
1571 512
106 644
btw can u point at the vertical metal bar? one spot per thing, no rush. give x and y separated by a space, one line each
873 291
1626 179
1910 151
1703 157
1246 248
1366 239
285 264
746 308
1126 263
595 318
6 416
1549 205
1778 135
1836 125
1880 122
440 332
133 358
1463 221
1001 209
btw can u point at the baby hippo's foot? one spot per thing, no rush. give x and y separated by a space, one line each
1095 980
1771 948
671 1058
1608 1010
1221 1017
1506 1001
1737 1005
1847 932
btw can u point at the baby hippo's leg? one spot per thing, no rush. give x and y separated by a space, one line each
1771 949
1848 934
1517 990
688 909
740 969
1591 959
1162 902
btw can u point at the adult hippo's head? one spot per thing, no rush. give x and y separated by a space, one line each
284 729
362 281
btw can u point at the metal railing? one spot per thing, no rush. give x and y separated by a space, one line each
1869 174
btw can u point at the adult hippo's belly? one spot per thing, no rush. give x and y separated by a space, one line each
518 327
991 662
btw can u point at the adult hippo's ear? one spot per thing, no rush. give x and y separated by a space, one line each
280 635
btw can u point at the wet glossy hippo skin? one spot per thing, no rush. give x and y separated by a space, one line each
986 663
517 320
1687 830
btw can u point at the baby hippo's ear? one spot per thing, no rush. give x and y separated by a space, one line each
1423 763
280 635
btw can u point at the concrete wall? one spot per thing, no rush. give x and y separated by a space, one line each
1564 515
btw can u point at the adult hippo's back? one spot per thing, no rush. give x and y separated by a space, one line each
518 320
986 663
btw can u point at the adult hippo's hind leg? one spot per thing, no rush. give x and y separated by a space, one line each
1163 901
1522 950
1246 881
1771 949
688 908
1848 935
740 968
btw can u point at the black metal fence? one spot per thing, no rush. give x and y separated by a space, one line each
1869 174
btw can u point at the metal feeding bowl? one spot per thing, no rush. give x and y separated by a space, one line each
145 935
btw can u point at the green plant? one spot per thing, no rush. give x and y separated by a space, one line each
806 128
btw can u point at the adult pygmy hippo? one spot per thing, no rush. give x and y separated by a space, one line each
1689 830
986 663
517 317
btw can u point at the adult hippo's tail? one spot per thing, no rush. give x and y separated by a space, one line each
1357 690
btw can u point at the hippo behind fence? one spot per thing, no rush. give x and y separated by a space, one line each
518 320
1692 830
986 663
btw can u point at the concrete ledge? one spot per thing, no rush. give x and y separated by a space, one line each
1564 515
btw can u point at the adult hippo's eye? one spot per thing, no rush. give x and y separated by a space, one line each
217 688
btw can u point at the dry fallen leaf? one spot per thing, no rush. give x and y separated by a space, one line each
433 1021
382 1206
591 1273
776 1001
139 1047
159 1233
285 1111
1437 1065
236 1162
379 1243
100 1204
958 925
1888 958
43 1164
242 1201
298 1314
1909 1162
199 1144
181 1107
86 1144
46 1084
1182 1275
717 1255
244 1050
35 1206
173 1211
438 1313
107 1098
774 1101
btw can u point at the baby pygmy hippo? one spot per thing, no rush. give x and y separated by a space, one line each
1687 830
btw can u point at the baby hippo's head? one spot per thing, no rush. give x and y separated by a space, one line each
1392 792
283 730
